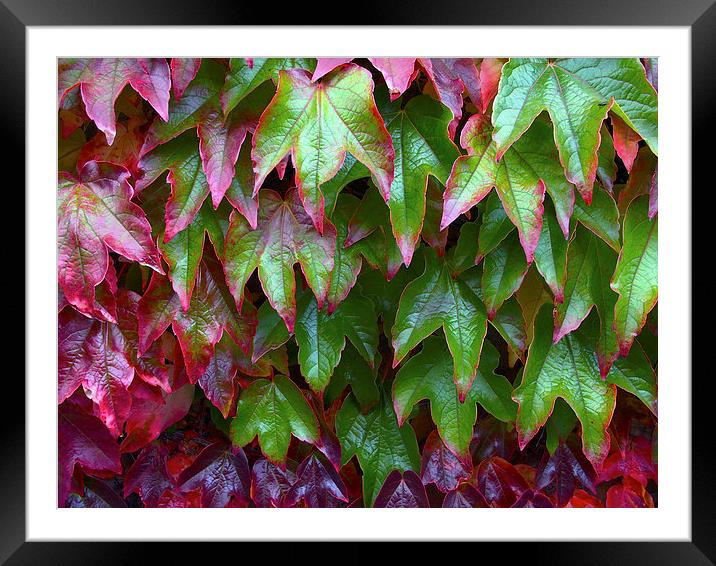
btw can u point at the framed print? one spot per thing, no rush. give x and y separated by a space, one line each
295 277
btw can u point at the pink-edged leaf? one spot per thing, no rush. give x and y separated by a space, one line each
402 490
317 123
221 473
102 80
94 354
325 65
148 476
626 141
635 461
95 214
285 235
124 150
440 466
83 439
398 73
183 69
270 484
317 484
219 379
490 73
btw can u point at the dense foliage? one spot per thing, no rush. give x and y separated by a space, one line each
289 282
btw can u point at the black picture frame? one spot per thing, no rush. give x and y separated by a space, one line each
699 15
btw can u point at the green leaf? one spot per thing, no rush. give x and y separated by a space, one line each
321 336
271 332
591 263
495 226
273 410
559 425
551 256
577 110
284 236
379 443
353 370
601 217
437 299
518 184
183 252
503 271
422 147
636 375
567 369
347 261
428 375
317 123
246 75
606 165
636 276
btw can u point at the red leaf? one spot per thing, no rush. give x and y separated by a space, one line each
402 490
83 439
317 484
148 476
440 466
564 470
626 141
464 496
629 494
222 475
532 499
634 461
270 484
95 213
149 418
500 482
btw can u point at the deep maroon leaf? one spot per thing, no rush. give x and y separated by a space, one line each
402 490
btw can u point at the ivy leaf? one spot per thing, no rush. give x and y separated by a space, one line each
353 370
402 490
520 178
317 484
219 379
273 410
422 147
564 471
379 443
84 440
634 461
440 466
211 311
149 417
245 75
465 496
317 124
94 354
600 217
551 256
94 214
97 494
124 151
183 251
397 71
500 482
198 101
221 473
148 476
347 261
591 263
183 70
636 276
284 236
636 375
270 484
577 110
428 375
102 80
566 369
433 300
626 142
503 271
321 337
